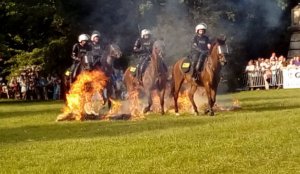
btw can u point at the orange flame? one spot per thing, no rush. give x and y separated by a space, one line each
135 109
116 107
84 96
156 102
184 103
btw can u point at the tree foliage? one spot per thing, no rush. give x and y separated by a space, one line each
41 32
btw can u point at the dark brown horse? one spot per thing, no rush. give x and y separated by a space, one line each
111 53
209 78
154 78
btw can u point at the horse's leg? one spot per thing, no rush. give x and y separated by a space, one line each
210 101
191 97
148 94
109 94
177 83
162 101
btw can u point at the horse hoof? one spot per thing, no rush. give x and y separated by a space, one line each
206 111
211 113
146 110
162 112
196 113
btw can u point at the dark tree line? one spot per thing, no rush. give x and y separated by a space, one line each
41 32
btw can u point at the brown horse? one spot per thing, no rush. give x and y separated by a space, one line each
209 77
154 78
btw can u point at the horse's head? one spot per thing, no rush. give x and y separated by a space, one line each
159 48
115 51
222 50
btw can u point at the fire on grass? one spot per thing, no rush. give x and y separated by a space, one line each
185 105
129 109
85 100
85 96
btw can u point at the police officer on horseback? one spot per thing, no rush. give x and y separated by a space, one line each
96 47
143 49
79 50
200 48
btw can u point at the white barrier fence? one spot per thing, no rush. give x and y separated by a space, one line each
261 79
286 78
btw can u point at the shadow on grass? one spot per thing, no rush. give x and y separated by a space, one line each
81 130
24 113
258 98
269 106
29 102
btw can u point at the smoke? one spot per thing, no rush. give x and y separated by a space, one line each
253 28
174 27
116 20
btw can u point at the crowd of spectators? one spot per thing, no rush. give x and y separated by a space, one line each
31 85
270 69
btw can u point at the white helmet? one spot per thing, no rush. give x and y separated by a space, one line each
145 32
83 37
201 26
95 34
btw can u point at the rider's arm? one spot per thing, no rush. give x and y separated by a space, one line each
137 46
208 44
195 44
75 53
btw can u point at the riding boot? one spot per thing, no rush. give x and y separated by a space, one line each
194 72
195 58
141 70
165 66
137 73
199 65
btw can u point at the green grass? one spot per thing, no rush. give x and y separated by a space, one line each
262 137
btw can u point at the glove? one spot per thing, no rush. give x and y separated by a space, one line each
137 50
77 59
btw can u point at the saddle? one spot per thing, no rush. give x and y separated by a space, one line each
133 70
186 65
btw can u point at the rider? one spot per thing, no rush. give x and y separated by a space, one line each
200 48
79 50
96 47
143 48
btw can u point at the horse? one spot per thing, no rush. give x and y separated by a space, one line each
104 63
111 53
209 77
154 77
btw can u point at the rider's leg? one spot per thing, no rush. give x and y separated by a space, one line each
201 61
138 71
195 57
165 66
74 70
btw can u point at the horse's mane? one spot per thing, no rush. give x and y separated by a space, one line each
217 40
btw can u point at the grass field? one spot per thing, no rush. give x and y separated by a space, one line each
262 137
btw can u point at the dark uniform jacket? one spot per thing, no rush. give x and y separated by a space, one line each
79 51
143 46
199 43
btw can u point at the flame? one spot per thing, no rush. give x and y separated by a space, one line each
184 103
236 103
116 107
135 109
84 96
156 102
